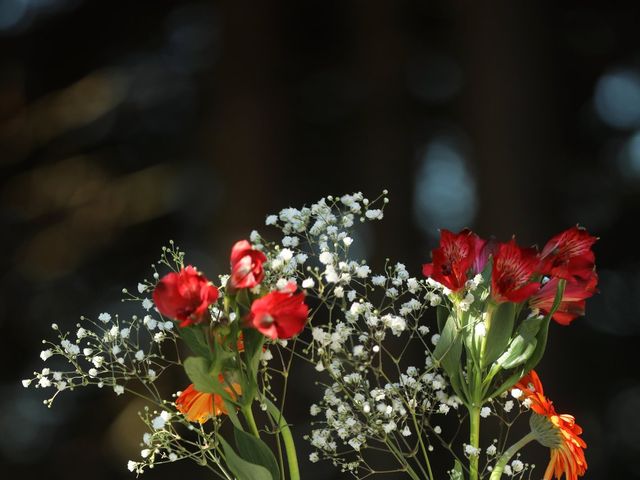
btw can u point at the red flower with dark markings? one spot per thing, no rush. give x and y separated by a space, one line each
513 268
453 259
573 300
568 255
185 296
279 315
483 250
246 265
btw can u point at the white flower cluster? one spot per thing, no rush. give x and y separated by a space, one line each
369 321
357 415
109 352
516 468
322 231
320 218
171 438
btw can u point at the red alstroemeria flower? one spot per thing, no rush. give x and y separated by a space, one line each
483 250
246 265
560 433
185 296
573 301
568 255
200 407
453 259
279 315
513 268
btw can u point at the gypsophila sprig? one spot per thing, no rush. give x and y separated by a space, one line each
110 352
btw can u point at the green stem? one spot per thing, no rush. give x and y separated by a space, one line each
287 439
403 461
422 446
279 446
248 415
474 440
506 456
475 387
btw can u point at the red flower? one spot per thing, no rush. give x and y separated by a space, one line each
185 296
568 255
559 433
573 300
483 250
513 268
453 259
279 314
246 265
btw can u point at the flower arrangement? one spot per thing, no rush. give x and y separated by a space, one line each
391 373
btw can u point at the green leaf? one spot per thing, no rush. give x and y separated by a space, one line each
449 348
543 330
240 468
487 272
197 369
523 346
500 331
457 473
516 347
530 327
254 450
456 379
253 342
243 300
231 413
540 342
441 315
529 348
194 337
541 345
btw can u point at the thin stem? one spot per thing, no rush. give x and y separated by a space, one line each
398 454
506 456
412 455
287 439
279 446
422 446
248 415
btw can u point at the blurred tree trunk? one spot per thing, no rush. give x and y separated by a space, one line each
384 144
507 107
247 136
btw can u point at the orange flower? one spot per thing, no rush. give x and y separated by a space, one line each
200 406
558 432
239 345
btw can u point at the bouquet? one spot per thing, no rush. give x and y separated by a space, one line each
395 354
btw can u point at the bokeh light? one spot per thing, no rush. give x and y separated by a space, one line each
629 158
445 192
617 98
11 12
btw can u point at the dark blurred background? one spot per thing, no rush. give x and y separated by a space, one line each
125 124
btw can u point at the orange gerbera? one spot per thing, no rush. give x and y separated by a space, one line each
558 432
200 406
